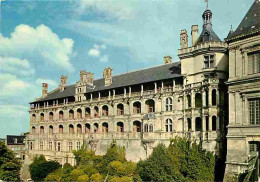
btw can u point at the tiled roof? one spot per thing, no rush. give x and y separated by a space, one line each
156 73
249 24
15 140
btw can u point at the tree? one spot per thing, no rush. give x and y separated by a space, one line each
40 168
9 165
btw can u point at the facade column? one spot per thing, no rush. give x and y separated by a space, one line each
109 94
155 87
142 90
210 96
210 123
217 96
203 123
192 99
129 91
98 96
204 98
193 123
173 85
124 92
114 94
91 97
217 123
162 87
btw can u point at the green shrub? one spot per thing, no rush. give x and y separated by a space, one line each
83 178
121 179
96 177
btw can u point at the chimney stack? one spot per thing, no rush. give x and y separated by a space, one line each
63 82
184 39
107 75
194 34
167 59
86 77
44 89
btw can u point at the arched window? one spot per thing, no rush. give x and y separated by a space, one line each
95 127
79 128
189 124
87 128
71 114
61 115
96 111
207 123
214 123
137 107
214 97
33 117
88 112
33 130
146 128
207 97
188 101
71 128
104 127
105 110
137 126
150 128
150 105
198 100
79 113
60 129
41 130
120 127
50 129
51 116
59 146
168 104
120 109
168 125
42 116
198 124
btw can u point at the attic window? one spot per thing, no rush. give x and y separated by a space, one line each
209 61
205 37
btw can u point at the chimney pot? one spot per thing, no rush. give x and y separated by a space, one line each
184 39
44 89
194 34
107 75
63 82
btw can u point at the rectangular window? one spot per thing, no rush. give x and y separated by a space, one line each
70 146
41 145
208 61
254 111
78 145
254 62
50 145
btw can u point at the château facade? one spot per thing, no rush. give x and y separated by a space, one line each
141 108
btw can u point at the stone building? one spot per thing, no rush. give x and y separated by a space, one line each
16 143
141 108
243 138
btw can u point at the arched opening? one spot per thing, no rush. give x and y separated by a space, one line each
150 105
120 127
51 116
168 104
87 128
42 116
207 123
96 111
41 130
189 124
146 128
188 101
214 97
51 129
59 146
71 114
120 109
61 115
33 117
60 129
88 112
198 100
79 128
105 110
137 126
214 123
79 113
168 125
137 107
95 127
151 128
71 128
198 124
104 127
33 130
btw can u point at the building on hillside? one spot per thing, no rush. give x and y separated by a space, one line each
140 108
16 143
243 138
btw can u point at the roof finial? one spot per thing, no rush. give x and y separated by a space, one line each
207 1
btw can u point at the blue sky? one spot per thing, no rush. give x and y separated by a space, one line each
41 40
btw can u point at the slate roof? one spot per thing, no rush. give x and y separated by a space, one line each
11 140
162 72
249 24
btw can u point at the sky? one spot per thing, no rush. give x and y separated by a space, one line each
40 40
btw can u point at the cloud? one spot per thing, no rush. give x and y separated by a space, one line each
95 51
38 45
104 59
16 66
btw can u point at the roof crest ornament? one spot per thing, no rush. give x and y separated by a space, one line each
207 1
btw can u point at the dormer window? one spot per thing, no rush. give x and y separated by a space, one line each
208 61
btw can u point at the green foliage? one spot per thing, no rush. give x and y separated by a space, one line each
116 168
121 179
83 178
40 168
96 177
9 165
